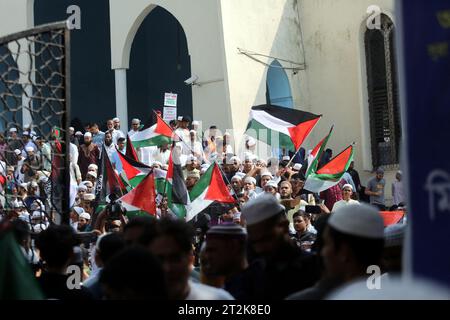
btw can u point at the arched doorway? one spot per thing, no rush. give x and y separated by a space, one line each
159 63
278 90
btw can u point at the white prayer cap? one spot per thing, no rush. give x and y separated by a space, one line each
251 142
78 210
157 163
347 185
394 235
236 177
205 165
33 133
13 130
89 197
78 133
231 229
226 134
261 208
37 214
17 152
71 128
29 149
88 135
24 185
193 131
286 158
248 156
359 220
87 184
26 133
82 187
266 173
180 118
135 121
9 168
297 167
16 204
235 158
272 183
116 119
93 166
399 172
250 180
195 123
43 178
194 174
39 228
85 215
240 174
191 158
33 184
92 174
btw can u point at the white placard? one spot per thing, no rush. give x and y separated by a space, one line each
170 113
170 99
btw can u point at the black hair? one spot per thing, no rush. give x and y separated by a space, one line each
179 230
365 250
121 139
136 274
56 245
147 224
299 176
21 230
301 213
110 245
212 127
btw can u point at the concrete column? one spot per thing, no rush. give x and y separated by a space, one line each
121 98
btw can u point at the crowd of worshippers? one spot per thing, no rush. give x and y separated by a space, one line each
278 241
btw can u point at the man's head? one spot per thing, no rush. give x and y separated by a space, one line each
297 182
91 176
107 246
173 247
225 250
25 137
352 241
116 122
236 184
285 190
300 219
347 191
193 135
13 133
265 177
352 165
94 128
108 138
184 123
192 178
110 125
267 225
379 173
249 184
55 245
87 138
133 274
121 143
398 175
248 163
140 231
236 163
135 123
30 152
271 187
84 219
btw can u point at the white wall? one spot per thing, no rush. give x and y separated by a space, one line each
268 27
333 37
201 22
15 16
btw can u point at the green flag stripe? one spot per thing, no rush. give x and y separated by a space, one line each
266 136
154 141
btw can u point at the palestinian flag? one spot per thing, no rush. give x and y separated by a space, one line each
331 173
141 200
177 194
134 171
130 152
107 180
290 126
316 153
156 135
210 188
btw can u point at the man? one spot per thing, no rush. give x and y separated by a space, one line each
115 159
236 184
398 194
196 146
191 164
88 153
266 176
286 269
56 248
27 143
162 154
182 134
347 192
356 180
248 163
98 137
302 237
272 188
14 143
192 178
173 247
32 160
135 124
353 241
44 154
250 187
285 190
116 134
109 145
375 189
225 256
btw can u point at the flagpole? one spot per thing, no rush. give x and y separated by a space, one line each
290 161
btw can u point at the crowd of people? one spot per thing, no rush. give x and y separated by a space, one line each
276 241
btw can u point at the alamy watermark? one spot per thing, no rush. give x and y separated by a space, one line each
373 282
74 20
374 19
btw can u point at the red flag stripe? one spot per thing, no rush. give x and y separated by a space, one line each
217 190
299 133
